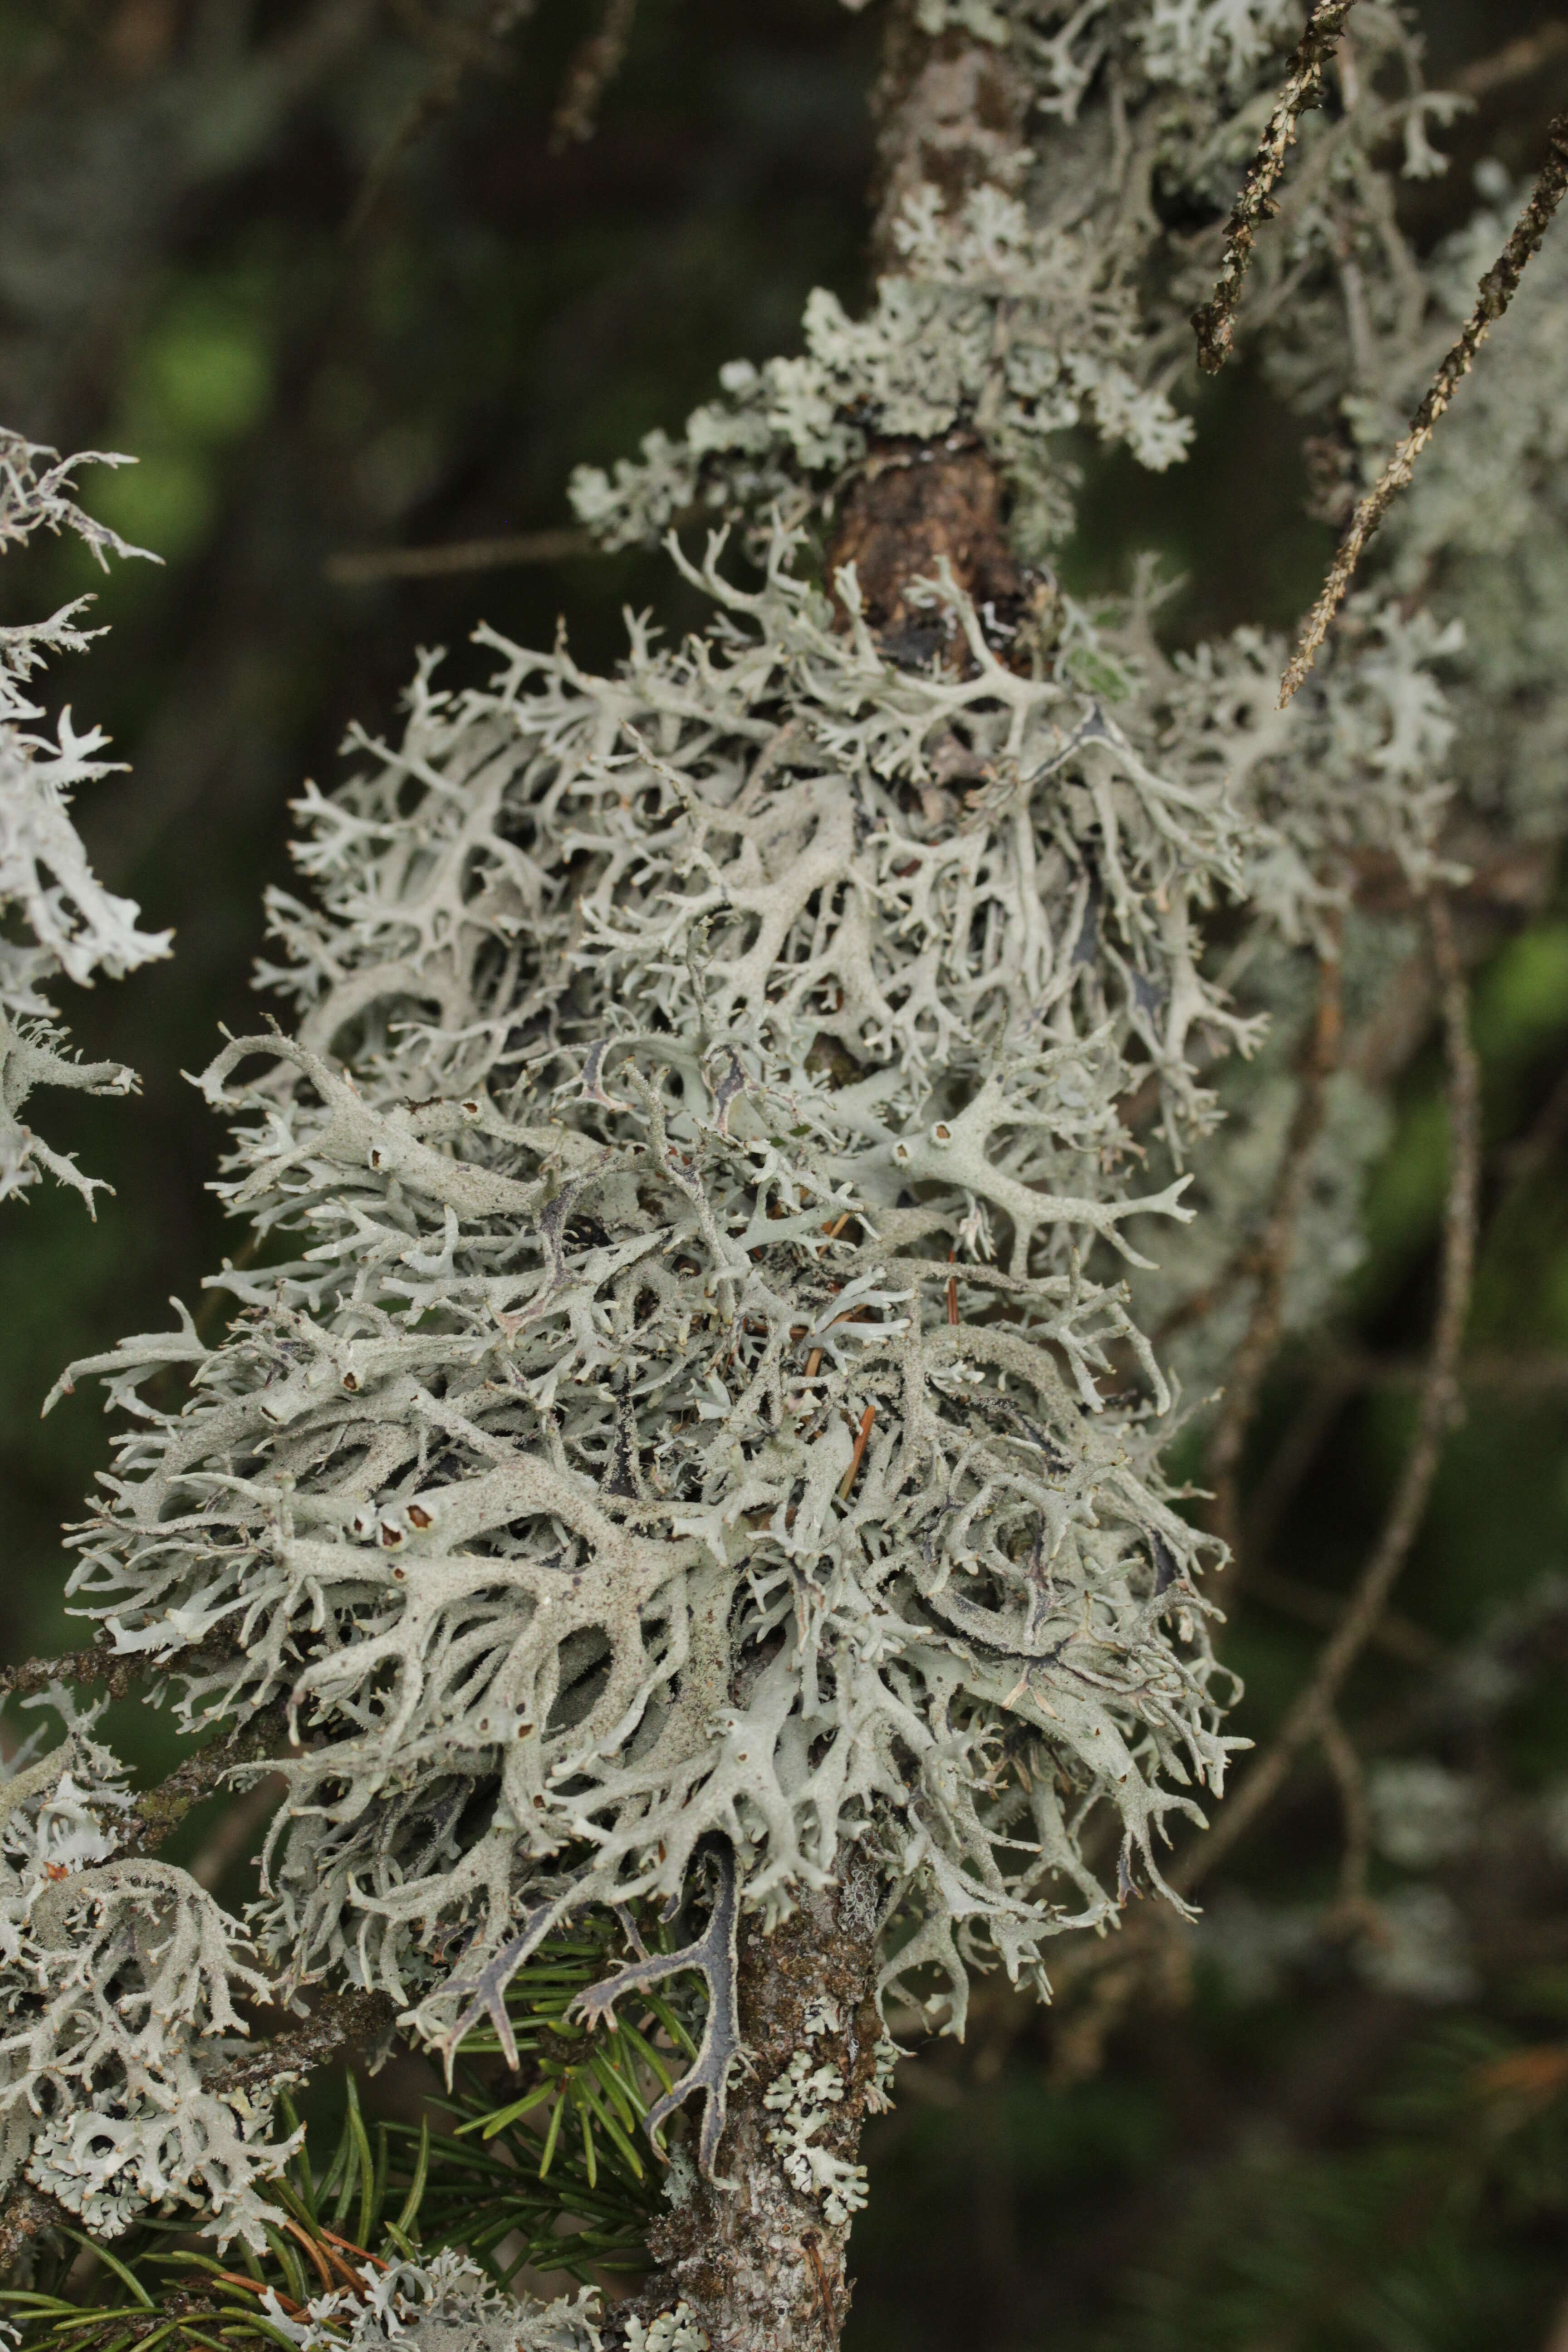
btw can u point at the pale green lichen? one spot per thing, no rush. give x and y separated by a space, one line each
990 324
74 927
442 2304
118 1978
612 1253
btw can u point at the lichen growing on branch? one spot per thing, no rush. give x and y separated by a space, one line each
76 927
118 1979
636 1453
990 323
747 1148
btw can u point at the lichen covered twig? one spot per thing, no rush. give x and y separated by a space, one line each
1214 323
1498 289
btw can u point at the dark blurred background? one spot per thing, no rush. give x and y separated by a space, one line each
316 266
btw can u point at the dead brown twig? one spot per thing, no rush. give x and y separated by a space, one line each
1215 324
1305 1719
362 569
1398 1636
1518 61
555 545
594 64
847 1483
1496 290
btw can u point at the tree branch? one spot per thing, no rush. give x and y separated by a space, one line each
360 570
117 1674
594 64
1215 324
1345 1764
160 1810
1519 60
340 2021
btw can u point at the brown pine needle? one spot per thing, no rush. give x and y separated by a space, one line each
316 2253
847 1482
1496 290
1216 322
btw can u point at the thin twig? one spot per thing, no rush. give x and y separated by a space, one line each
1520 60
354 2020
158 1812
357 571
1439 1402
1215 324
1273 1255
1496 290
1315 1416
1394 1634
119 1674
1524 1372
442 37
1530 1373
1523 1160
454 48
1339 1754
594 64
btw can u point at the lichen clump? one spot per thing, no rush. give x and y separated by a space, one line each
118 1979
690 1411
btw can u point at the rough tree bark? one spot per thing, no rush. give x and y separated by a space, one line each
757 2264
755 2261
950 114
